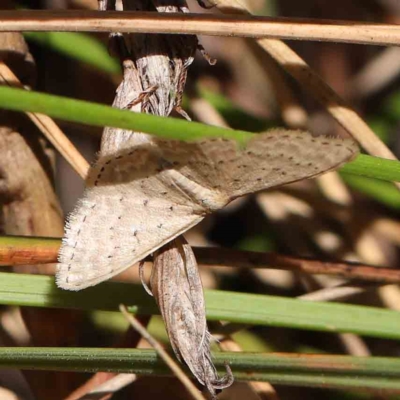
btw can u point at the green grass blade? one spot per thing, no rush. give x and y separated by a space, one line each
170 128
373 167
40 291
381 191
300 370
101 115
79 46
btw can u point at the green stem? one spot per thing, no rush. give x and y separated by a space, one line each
170 128
290 369
40 291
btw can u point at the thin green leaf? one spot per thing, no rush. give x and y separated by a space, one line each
381 191
373 167
40 291
300 370
82 47
100 115
170 128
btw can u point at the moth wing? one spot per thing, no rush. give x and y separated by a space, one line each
129 209
270 159
279 157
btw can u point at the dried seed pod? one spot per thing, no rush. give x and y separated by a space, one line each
177 288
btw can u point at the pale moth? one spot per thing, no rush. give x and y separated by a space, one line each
142 197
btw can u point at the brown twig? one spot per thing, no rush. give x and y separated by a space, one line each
247 259
201 24
45 250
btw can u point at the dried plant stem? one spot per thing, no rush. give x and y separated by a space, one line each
111 386
292 112
334 293
333 103
163 354
202 24
105 390
246 259
379 72
23 250
50 129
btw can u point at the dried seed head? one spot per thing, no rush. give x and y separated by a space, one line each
176 286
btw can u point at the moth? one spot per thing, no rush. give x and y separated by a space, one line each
140 198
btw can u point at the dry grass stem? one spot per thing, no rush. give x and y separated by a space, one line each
334 104
206 112
163 354
354 345
377 73
110 387
50 129
224 257
335 293
201 24
334 189
292 112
